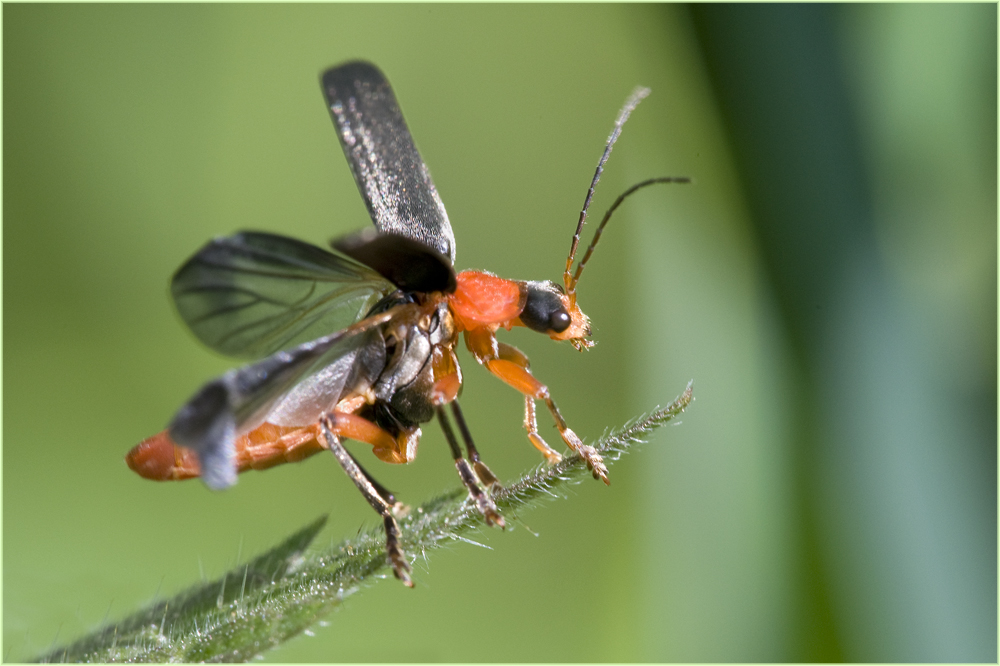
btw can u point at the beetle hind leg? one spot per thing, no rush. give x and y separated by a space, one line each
375 495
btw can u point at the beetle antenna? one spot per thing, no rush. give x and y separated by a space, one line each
633 101
571 285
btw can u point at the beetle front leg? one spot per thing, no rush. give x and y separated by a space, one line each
531 425
510 353
511 365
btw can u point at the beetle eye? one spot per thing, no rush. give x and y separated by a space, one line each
559 321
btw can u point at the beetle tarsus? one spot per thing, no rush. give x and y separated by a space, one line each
551 455
589 454
394 553
595 463
486 476
483 501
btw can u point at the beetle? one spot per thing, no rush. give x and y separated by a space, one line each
361 344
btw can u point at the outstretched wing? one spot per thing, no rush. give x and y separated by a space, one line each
393 179
252 294
288 388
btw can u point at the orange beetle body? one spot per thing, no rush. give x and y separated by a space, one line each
481 304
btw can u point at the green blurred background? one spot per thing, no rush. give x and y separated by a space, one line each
829 282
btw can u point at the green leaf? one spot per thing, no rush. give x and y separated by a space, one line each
264 602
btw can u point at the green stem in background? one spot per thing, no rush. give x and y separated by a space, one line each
264 602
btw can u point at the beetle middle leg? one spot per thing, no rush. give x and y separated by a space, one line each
447 382
483 501
482 471
375 496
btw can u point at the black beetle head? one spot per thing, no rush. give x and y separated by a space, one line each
548 310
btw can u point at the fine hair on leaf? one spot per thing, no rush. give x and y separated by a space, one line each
263 602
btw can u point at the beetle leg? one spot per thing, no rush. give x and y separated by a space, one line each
447 383
483 501
394 552
447 375
531 425
482 471
402 449
384 492
511 365
513 354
